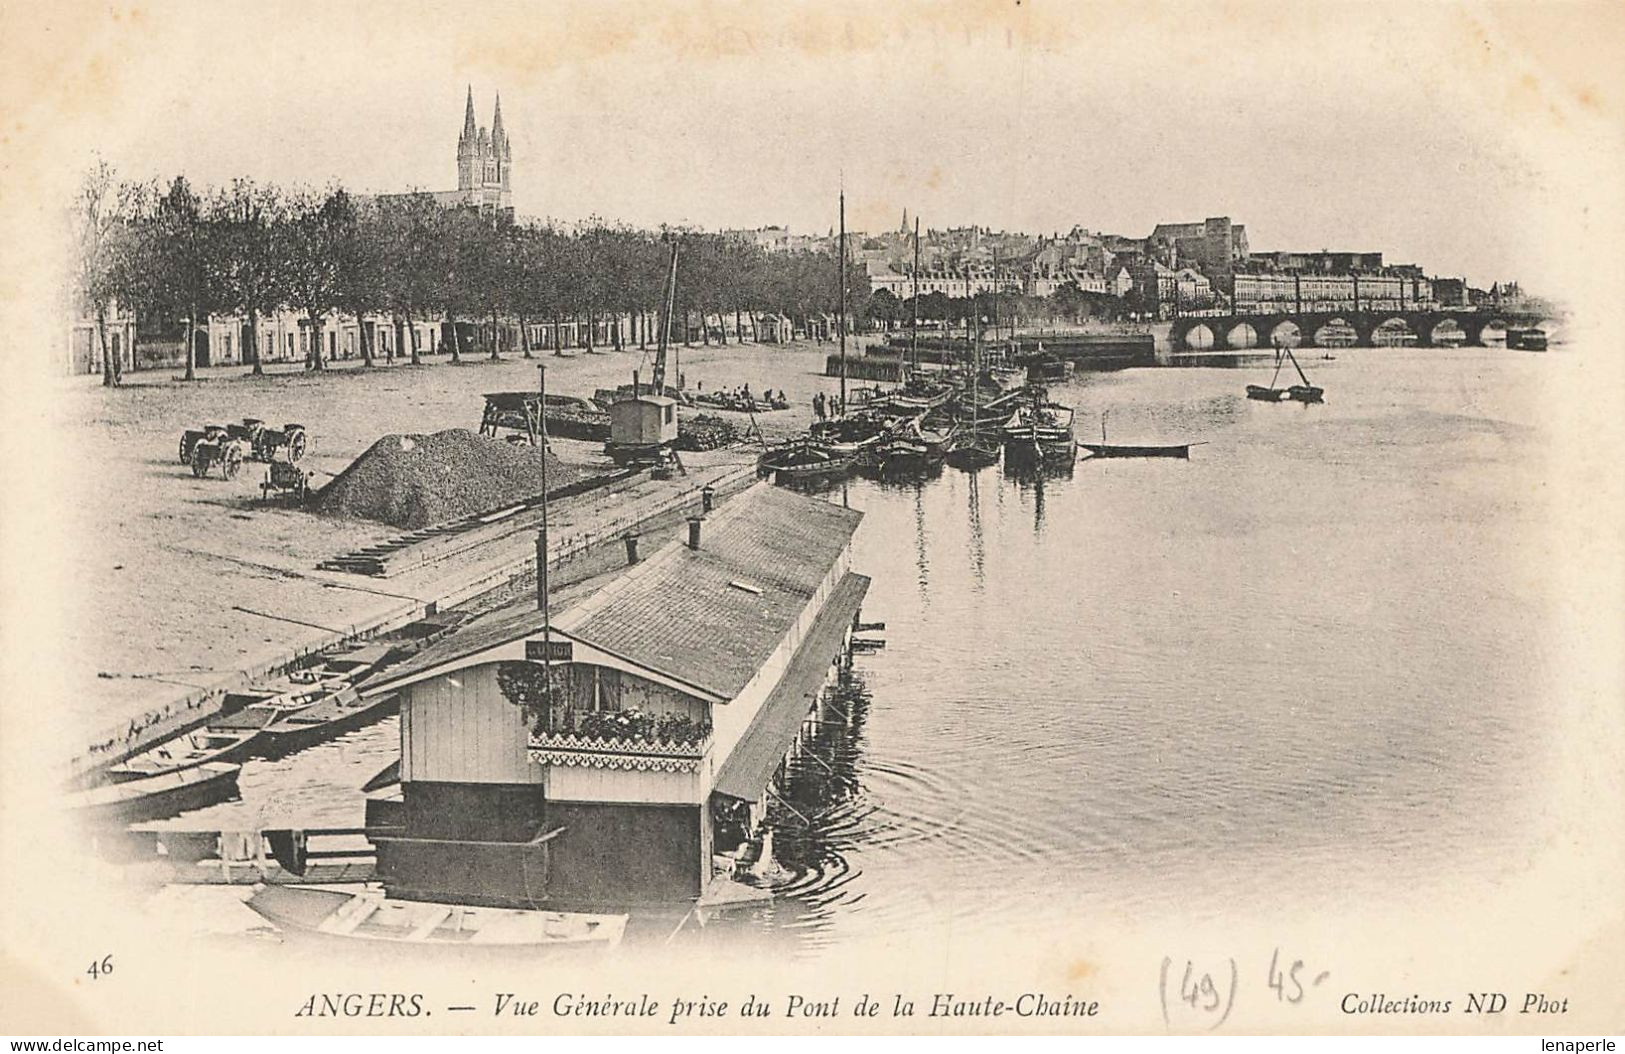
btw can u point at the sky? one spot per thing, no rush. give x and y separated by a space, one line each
1439 135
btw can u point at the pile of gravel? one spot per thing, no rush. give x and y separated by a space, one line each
414 481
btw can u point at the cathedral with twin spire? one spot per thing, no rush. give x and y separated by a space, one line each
484 161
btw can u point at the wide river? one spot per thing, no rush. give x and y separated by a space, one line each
1309 662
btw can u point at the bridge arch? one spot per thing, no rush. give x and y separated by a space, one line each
1199 337
1447 332
1393 332
1493 332
1243 335
1284 332
1335 332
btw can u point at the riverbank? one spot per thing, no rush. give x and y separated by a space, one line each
192 585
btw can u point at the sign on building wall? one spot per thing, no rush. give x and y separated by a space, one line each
549 650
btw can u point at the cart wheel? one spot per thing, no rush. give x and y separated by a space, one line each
186 451
232 463
296 445
200 461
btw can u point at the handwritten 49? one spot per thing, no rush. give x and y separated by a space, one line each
1200 995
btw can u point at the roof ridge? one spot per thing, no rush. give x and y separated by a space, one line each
579 613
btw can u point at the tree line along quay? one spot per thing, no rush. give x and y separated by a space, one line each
252 249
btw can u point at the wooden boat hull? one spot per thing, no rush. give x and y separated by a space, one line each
372 917
227 747
1267 395
322 722
1306 393
1116 450
979 454
157 797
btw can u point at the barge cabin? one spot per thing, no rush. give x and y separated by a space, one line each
675 691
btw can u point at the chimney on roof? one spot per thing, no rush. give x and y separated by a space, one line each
631 541
694 523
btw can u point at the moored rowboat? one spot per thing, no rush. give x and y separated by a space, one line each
1120 450
371 916
158 796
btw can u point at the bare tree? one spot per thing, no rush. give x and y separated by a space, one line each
103 219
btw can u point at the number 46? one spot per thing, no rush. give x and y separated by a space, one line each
101 969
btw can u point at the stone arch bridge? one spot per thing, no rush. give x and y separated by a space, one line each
1228 330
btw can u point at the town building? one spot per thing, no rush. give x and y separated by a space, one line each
676 691
1215 246
85 352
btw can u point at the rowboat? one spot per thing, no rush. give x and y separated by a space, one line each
326 720
1105 449
802 459
972 451
1042 430
1116 450
901 453
267 704
186 752
158 796
371 916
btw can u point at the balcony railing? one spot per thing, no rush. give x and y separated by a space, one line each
621 740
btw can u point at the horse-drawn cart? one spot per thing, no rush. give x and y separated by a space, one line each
215 447
287 479
257 441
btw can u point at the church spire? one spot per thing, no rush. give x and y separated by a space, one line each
499 141
470 129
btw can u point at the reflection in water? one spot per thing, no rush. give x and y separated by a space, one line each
921 564
978 554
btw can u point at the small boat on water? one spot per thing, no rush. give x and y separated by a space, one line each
1105 449
1116 450
342 713
156 797
846 436
1526 339
371 916
1049 369
917 396
264 705
802 459
970 448
1040 429
1303 393
185 752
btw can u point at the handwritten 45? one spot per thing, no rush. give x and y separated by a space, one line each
1288 981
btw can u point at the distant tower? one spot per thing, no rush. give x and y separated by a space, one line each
467 147
500 156
484 160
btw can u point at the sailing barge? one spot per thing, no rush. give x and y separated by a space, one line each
1040 430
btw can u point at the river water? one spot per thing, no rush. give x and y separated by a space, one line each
1307 662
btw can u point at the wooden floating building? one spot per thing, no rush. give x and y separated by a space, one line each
677 689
